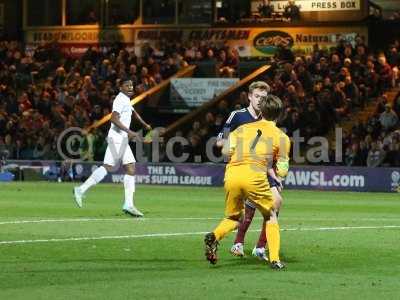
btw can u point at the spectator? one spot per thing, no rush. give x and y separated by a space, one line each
393 57
7 149
385 73
41 149
354 156
265 9
96 114
91 17
375 156
388 118
312 119
396 105
292 122
292 11
227 64
351 91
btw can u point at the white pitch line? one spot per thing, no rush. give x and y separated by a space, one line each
340 228
111 237
105 219
136 236
17 222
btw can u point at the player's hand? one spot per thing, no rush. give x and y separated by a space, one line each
147 127
280 185
219 143
132 135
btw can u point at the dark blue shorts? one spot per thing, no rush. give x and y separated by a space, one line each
273 182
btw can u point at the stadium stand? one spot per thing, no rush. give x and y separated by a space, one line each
320 91
45 93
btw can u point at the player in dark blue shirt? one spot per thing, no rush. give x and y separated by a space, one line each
237 118
257 90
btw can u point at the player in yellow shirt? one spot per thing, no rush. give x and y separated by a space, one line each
252 148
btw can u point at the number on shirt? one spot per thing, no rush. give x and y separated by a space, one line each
256 139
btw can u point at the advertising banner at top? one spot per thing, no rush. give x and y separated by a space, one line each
260 41
80 36
249 42
74 42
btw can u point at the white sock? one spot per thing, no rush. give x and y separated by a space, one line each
129 185
97 176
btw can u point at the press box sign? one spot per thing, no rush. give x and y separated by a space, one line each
312 5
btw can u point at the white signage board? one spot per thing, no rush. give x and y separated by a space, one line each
193 92
313 5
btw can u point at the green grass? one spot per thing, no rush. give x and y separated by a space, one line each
353 263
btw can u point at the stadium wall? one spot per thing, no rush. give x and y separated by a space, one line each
359 179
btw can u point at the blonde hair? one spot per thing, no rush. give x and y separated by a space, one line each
259 85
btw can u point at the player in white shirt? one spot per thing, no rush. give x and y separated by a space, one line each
118 149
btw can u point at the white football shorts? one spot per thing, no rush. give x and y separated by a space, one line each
117 152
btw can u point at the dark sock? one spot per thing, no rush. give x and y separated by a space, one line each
262 240
244 225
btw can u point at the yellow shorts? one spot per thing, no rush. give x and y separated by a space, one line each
241 184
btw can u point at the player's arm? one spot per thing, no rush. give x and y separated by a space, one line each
272 174
139 118
115 119
229 144
222 137
282 159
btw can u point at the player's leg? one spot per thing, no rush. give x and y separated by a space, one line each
233 213
259 249
129 161
96 177
111 158
261 196
274 240
249 211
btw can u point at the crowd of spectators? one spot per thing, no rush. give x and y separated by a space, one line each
222 56
321 89
46 92
375 142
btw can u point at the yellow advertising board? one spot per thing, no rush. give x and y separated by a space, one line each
265 41
248 41
80 35
259 41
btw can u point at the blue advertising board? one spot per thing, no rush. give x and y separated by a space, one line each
334 178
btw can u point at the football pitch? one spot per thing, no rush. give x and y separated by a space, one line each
336 246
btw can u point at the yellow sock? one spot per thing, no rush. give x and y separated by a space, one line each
274 240
224 227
